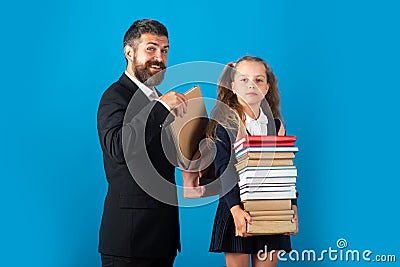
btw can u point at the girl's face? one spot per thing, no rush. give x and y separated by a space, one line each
250 82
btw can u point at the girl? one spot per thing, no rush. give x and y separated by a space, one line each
252 82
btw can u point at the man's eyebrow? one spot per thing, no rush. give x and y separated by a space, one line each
157 44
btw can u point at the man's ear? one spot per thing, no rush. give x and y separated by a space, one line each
129 53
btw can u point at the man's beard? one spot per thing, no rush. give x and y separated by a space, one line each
144 75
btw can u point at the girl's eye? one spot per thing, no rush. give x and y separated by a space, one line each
244 80
259 80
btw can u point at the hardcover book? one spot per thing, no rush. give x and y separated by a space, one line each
271 227
265 155
262 162
264 205
275 171
240 151
266 140
189 130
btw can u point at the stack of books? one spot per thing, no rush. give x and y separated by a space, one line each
267 181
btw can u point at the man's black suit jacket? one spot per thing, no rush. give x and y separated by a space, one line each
134 224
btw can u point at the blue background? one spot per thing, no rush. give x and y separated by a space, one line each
337 65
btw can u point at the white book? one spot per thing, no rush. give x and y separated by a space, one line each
261 187
256 189
268 195
267 172
250 149
256 168
267 180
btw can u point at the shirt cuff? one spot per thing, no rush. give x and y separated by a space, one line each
165 104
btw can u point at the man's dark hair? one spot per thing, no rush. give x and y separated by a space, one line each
143 26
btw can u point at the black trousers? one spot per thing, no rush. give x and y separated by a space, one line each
115 261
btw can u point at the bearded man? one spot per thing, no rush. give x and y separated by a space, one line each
137 228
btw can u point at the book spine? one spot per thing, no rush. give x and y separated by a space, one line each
268 173
271 227
267 205
273 218
267 195
271 212
242 150
266 181
252 139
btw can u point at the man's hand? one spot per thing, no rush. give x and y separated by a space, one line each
176 101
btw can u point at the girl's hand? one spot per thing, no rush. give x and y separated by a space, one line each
295 219
240 217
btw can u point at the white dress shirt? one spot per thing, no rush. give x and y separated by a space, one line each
151 93
258 126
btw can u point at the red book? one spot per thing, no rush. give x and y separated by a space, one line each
264 140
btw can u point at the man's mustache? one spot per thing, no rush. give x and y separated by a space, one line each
155 63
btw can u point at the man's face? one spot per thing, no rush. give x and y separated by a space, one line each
150 58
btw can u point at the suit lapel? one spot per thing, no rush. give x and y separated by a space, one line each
158 92
138 100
